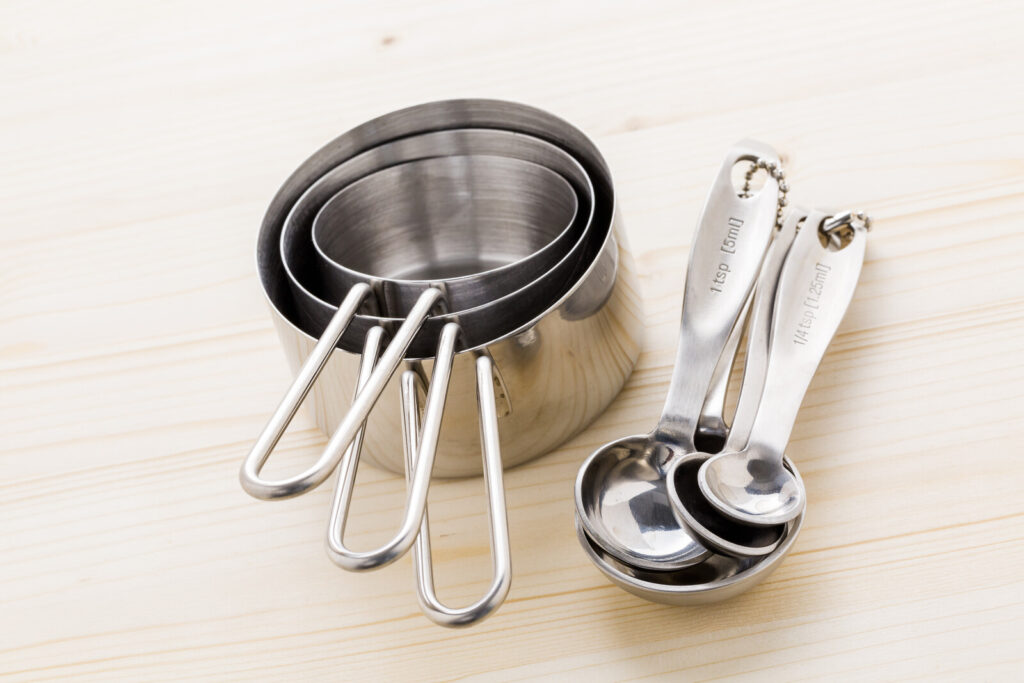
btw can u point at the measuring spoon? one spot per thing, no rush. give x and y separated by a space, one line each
621 497
716 531
813 292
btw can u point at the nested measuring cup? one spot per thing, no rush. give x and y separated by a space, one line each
564 343
477 226
308 274
547 205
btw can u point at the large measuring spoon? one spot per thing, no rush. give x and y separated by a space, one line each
715 530
621 497
814 290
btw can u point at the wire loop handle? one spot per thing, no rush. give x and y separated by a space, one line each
416 499
362 404
501 562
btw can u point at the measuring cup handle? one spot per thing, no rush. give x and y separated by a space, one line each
356 415
501 561
416 498
349 464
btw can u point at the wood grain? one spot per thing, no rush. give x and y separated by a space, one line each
141 143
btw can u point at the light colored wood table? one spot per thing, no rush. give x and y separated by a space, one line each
140 145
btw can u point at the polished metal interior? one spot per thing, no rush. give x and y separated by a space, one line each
478 225
712 529
314 302
715 578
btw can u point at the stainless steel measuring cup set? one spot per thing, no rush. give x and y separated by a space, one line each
475 246
674 516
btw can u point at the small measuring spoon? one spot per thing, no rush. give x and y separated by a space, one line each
716 531
813 292
621 497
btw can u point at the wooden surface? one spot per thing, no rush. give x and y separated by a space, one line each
140 145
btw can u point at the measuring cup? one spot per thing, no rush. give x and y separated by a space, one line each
473 225
476 326
306 270
561 347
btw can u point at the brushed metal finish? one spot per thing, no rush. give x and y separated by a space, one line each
472 224
501 556
621 496
559 373
814 290
556 350
495 187
692 509
560 354
717 577
315 306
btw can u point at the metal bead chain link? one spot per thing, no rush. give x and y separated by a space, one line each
775 171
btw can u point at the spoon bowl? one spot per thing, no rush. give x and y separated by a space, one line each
743 486
622 499
717 531
716 578
815 286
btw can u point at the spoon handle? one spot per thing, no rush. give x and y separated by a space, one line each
814 290
728 247
759 329
712 425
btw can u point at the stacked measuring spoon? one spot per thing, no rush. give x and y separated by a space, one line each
678 516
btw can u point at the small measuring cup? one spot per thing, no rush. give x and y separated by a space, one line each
476 226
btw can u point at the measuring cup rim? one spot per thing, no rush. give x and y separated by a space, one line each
586 251
610 238
548 250
293 229
306 300
475 115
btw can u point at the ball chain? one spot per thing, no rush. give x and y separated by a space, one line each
774 169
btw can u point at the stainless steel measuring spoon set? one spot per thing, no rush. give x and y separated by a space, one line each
452 288
680 516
